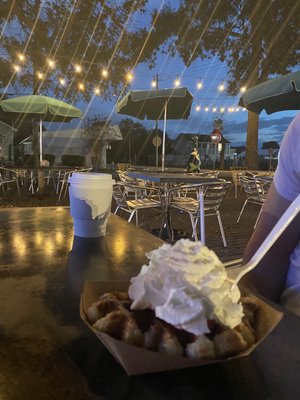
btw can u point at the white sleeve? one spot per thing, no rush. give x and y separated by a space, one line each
287 174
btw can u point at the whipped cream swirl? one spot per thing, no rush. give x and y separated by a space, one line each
186 284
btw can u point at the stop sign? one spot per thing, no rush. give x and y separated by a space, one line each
216 136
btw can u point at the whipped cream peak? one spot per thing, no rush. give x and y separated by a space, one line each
186 284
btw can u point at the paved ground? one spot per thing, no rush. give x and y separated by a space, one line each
237 235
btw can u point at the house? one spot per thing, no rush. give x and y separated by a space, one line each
70 142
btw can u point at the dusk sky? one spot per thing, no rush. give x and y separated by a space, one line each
212 73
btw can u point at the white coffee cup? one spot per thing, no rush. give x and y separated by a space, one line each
90 202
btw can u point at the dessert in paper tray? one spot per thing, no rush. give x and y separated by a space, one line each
178 312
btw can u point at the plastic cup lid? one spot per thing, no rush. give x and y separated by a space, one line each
89 177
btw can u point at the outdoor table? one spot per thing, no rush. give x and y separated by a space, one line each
47 352
167 180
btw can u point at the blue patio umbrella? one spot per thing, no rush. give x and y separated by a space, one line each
157 104
274 95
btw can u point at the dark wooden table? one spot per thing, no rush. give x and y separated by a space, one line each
47 352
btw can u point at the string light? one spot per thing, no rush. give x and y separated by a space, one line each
177 82
221 87
214 109
21 57
78 68
51 63
16 68
104 73
222 109
200 84
129 76
206 109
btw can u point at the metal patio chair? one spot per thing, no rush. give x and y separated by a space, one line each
213 196
133 206
255 190
9 177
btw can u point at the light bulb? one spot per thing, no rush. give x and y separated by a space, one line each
51 63
177 82
16 68
21 57
129 76
104 73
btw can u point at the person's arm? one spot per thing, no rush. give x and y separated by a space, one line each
269 276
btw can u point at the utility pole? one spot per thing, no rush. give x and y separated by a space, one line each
155 80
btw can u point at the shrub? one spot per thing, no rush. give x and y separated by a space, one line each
71 160
49 157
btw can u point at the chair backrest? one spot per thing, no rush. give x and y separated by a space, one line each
215 194
250 188
119 197
262 186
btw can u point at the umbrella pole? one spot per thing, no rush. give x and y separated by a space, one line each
41 144
164 140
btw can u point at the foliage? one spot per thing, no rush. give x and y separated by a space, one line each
95 135
72 160
50 158
137 146
94 34
270 145
257 40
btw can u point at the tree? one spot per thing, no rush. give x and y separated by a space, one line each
95 134
257 39
134 136
42 41
95 34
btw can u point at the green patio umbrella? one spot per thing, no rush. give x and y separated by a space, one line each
44 108
157 104
274 95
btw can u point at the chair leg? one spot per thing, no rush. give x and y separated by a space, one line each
116 210
194 226
136 218
18 188
131 216
221 228
242 210
61 191
257 219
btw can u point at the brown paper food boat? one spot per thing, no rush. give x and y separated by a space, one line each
136 360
